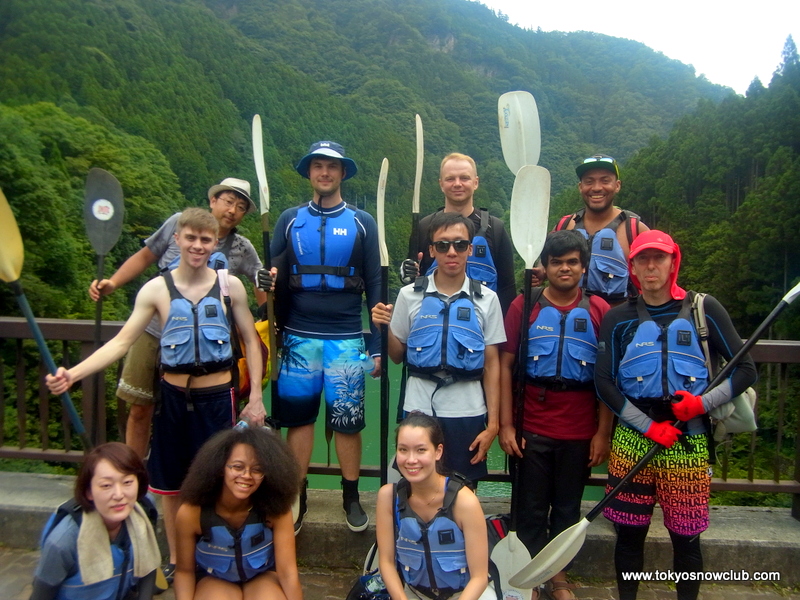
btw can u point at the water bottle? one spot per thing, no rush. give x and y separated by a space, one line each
367 363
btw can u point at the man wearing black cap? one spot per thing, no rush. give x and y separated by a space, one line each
601 223
330 258
651 371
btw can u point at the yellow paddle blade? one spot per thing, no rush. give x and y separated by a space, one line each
12 252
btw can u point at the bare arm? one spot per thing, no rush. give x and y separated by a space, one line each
254 411
491 390
188 528
508 432
142 314
469 517
286 557
384 531
600 445
131 268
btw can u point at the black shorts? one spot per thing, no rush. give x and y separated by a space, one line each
181 426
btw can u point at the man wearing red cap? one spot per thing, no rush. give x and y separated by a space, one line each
650 371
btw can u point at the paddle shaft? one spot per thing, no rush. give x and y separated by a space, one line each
66 401
384 381
273 351
98 308
412 249
719 378
522 361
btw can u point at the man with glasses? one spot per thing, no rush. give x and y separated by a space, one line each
448 328
650 371
329 256
492 259
229 201
610 230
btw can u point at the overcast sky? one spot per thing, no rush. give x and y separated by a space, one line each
729 42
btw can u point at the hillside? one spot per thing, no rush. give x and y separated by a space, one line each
179 81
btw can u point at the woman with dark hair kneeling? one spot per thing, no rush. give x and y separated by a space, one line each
450 513
235 526
101 544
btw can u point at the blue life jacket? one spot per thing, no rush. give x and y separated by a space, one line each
662 359
431 557
607 273
480 266
325 252
446 336
562 347
235 555
196 338
123 581
216 261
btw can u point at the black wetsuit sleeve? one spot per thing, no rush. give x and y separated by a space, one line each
421 243
725 341
503 255
372 274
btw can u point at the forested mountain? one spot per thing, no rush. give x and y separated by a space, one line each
161 93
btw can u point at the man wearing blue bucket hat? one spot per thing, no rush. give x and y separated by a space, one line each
328 256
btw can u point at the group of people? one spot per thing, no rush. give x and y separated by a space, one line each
457 328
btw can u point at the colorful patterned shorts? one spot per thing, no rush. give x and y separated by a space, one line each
678 478
309 366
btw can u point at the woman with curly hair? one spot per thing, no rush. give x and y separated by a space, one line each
235 526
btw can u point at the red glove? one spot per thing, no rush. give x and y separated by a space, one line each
663 433
688 407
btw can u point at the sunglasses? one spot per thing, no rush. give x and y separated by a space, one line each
605 159
442 247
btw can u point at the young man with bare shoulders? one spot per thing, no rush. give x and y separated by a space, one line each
197 396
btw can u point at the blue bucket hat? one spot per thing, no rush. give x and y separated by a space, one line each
329 150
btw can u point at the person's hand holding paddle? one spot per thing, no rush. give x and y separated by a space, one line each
60 382
409 269
101 288
382 314
266 279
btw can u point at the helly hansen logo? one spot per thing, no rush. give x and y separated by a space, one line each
339 231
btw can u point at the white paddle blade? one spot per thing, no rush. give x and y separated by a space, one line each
792 294
530 204
510 555
12 252
384 252
258 159
520 133
420 159
553 558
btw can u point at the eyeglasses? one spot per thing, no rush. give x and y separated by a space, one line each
443 247
239 469
238 204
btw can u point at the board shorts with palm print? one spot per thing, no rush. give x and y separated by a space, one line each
310 366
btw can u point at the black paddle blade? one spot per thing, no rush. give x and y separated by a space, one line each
103 210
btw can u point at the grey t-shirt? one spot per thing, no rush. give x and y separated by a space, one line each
242 256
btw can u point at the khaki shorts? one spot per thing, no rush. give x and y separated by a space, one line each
140 371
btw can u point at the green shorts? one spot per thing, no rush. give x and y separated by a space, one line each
140 373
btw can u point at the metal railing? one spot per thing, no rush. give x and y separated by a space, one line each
23 395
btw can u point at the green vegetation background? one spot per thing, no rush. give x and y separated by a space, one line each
161 93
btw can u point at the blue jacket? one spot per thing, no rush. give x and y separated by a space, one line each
662 359
446 336
562 347
431 557
196 338
236 555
